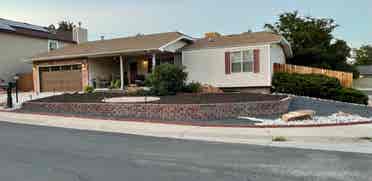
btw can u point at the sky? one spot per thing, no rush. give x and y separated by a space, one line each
118 18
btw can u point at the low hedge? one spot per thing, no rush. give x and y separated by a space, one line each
350 95
315 85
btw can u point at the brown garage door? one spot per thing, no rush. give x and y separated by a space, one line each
61 78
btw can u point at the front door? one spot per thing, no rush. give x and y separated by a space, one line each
133 72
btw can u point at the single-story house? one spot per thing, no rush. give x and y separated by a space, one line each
241 61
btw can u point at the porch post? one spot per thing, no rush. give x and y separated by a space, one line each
121 73
153 61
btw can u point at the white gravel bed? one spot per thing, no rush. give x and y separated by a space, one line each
332 119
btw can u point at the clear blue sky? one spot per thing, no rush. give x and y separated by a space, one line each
115 18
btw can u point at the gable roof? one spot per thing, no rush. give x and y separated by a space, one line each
243 39
151 42
25 29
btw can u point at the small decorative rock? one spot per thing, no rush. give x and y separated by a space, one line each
209 89
298 115
133 90
342 114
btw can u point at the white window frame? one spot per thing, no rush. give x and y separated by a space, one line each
53 41
242 60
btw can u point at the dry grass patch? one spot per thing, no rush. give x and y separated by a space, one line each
366 138
279 139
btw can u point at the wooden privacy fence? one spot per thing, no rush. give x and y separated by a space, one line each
345 78
25 82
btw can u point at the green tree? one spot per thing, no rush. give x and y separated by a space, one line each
364 55
65 26
312 41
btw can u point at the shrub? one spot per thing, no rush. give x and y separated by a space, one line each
193 87
350 95
115 84
88 89
314 85
138 92
279 139
167 79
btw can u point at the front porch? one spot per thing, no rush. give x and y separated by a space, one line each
127 69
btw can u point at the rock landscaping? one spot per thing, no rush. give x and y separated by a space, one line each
187 107
298 115
244 109
336 118
98 97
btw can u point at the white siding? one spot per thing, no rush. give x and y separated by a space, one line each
208 66
175 46
277 54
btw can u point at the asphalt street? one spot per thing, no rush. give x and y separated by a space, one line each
34 153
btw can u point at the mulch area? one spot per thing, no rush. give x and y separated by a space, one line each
177 99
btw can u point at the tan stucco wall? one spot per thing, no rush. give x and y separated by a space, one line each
14 49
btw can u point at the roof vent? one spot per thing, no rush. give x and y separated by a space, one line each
247 32
139 35
211 39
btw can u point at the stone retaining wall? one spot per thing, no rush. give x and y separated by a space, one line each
176 112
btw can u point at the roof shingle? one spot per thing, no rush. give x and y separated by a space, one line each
248 38
101 47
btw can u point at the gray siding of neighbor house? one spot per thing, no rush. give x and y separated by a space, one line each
14 49
365 80
363 83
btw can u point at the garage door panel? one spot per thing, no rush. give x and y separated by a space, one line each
61 81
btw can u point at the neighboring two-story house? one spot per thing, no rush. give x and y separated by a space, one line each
19 41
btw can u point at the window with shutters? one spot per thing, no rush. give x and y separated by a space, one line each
242 61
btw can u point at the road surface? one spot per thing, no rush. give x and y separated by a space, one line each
34 153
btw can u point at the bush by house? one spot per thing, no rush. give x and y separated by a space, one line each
314 85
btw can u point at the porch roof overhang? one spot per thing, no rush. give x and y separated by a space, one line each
131 46
98 54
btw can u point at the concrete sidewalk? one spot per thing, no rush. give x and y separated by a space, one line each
340 138
23 97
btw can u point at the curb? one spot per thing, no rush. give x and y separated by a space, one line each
186 123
